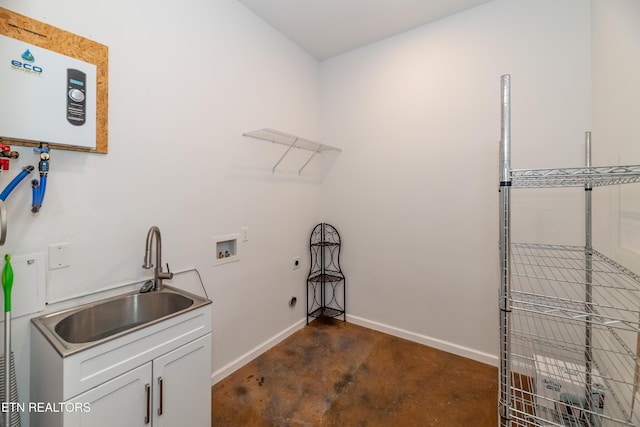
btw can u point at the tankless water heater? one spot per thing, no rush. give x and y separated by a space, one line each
46 96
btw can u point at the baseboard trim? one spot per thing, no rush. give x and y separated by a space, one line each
449 347
236 364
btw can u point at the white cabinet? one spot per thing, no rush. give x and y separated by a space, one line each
168 391
123 401
159 376
181 393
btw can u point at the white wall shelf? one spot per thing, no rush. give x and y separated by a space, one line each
291 142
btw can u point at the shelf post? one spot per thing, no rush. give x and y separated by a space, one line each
588 251
505 255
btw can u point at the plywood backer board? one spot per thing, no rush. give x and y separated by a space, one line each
63 42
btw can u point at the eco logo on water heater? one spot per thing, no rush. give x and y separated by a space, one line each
28 56
26 65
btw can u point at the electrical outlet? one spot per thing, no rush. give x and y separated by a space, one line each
244 234
295 263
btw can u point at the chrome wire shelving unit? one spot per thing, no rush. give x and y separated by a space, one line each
569 315
326 287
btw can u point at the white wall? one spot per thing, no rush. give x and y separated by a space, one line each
616 128
186 79
414 193
615 111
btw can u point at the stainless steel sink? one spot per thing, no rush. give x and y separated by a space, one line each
82 327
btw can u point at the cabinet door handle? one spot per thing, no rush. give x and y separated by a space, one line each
160 384
147 389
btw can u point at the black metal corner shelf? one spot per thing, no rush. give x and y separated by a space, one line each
326 288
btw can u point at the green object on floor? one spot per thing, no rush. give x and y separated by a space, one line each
7 282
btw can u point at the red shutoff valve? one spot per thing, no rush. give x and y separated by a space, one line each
5 155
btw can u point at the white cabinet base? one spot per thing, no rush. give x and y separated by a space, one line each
156 376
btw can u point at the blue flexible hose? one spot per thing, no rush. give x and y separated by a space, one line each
15 181
43 188
38 193
35 193
40 188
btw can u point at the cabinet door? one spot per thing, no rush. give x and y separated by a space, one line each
182 385
122 401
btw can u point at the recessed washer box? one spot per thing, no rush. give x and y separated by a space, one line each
47 96
226 249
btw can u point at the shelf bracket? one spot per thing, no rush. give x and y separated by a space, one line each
307 162
273 170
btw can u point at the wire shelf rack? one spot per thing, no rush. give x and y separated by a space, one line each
548 321
326 312
326 277
569 315
575 177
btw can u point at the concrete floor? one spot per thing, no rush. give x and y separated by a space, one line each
332 373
